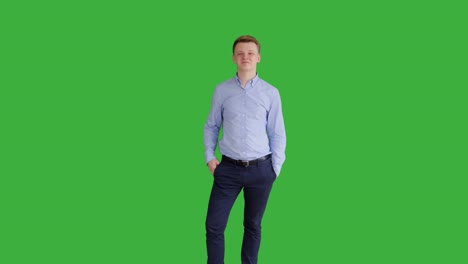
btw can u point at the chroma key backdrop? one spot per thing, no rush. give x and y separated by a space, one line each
102 107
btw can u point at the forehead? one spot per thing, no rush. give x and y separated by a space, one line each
246 46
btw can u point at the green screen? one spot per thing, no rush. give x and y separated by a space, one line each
102 107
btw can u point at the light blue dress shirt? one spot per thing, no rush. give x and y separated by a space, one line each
251 119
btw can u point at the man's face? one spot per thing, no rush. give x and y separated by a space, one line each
246 56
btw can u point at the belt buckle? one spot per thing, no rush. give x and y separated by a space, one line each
245 163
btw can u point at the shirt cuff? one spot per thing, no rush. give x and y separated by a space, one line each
277 170
209 157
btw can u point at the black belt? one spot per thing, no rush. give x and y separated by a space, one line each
246 163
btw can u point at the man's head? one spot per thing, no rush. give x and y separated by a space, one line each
246 53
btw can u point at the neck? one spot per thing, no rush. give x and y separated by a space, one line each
245 76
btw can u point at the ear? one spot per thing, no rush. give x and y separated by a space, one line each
259 58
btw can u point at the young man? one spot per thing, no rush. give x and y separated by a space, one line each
252 147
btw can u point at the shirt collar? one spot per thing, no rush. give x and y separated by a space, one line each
252 81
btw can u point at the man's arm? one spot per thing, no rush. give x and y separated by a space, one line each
211 132
276 133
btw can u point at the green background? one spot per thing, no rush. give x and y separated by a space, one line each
102 107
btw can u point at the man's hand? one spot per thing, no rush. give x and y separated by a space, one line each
212 164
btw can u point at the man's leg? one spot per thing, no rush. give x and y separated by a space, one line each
258 183
226 188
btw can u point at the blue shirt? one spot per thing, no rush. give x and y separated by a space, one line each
251 119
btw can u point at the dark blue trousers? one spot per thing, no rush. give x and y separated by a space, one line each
229 179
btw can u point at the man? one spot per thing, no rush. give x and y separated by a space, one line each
252 146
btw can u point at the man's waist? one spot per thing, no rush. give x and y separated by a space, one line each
246 163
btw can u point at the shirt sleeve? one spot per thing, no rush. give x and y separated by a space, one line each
212 127
276 133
